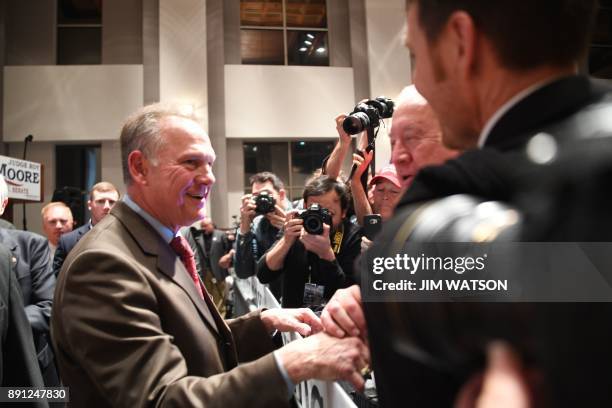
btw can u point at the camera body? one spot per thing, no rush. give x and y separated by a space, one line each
314 218
264 203
368 114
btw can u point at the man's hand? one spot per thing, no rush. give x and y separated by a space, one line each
325 358
343 314
504 383
362 164
345 138
292 227
226 260
303 321
247 213
277 218
365 244
319 244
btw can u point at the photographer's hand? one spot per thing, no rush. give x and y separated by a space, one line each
277 218
247 213
319 244
275 257
344 138
292 227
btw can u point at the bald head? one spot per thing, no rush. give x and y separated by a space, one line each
416 137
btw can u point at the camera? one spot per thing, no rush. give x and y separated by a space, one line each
264 203
314 218
368 114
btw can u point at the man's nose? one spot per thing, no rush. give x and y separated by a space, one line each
107 205
399 155
207 176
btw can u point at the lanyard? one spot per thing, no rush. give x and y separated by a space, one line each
337 240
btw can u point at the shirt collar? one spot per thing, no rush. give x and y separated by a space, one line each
165 232
486 131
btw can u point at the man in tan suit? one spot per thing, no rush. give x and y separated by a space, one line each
132 324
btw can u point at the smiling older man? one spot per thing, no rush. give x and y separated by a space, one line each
132 323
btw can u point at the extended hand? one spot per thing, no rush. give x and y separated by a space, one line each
343 314
303 321
277 217
325 358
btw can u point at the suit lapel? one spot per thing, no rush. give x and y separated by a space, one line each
167 261
537 110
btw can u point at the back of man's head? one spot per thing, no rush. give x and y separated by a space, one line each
524 33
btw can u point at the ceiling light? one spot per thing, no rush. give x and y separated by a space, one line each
303 49
307 42
321 50
310 36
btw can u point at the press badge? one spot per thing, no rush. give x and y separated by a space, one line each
313 294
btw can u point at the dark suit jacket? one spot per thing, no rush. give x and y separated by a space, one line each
65 245
218 247
500 169
447 339
18 362
130 329
30 259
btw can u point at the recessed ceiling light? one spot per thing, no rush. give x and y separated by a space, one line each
303 49
307 42
310 36
321 50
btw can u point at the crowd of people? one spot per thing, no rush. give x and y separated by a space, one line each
133 308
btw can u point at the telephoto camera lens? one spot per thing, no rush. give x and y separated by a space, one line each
356 123
368 114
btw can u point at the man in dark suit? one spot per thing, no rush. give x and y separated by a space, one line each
102 197
18 363
30 263
537 134
213 253
133 325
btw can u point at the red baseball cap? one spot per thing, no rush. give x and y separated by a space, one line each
387 173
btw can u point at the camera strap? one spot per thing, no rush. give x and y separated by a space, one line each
337 240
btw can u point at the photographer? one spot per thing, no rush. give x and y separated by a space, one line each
260 225
314 264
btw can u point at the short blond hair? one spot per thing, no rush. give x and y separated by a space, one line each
103 187
55 204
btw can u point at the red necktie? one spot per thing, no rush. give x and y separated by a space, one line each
183 250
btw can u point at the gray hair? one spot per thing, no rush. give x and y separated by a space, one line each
141 131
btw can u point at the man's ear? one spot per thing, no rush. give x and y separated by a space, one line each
282 194
463 42
138 166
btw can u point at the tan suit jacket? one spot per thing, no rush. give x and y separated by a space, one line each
131 331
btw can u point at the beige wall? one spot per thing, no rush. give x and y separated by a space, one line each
69 102
389 60
265 101
182 53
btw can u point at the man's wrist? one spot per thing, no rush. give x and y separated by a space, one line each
244 227
329 255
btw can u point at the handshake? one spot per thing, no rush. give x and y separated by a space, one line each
335 349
